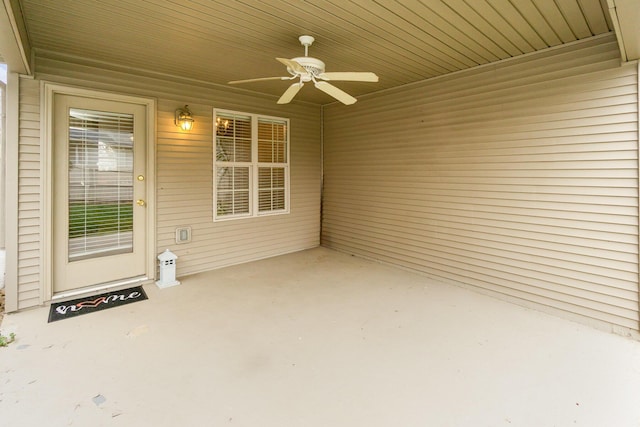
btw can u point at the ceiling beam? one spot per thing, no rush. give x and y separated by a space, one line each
625 15
15 49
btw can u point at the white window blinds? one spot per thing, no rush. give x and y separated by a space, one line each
233 165
272 165
100 183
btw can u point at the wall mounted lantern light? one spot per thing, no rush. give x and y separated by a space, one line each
184 118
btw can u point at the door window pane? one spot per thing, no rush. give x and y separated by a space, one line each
100 183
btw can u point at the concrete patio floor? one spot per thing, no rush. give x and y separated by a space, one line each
315 338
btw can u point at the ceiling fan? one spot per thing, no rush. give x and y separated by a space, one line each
308 69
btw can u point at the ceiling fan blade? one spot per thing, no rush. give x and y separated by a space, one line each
288 94
258 80
293 65
338 94
350 76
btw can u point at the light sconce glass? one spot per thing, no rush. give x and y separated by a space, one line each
221 125
184 118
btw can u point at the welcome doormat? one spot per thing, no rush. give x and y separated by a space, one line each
76 307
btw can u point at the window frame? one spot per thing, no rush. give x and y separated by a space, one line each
254 166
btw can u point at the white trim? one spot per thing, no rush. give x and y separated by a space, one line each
49 90
3 143
46 191
254 175
11 190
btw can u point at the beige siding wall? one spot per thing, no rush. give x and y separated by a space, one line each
29 214
518 179
184 172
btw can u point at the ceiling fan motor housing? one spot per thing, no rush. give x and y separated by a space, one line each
314 66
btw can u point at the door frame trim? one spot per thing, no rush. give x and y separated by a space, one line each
48 91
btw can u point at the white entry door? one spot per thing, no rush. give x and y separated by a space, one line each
99 200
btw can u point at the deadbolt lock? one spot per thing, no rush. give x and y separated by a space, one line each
140 177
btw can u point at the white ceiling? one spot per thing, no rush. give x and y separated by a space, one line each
402 41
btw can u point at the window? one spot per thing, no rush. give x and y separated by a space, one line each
251 166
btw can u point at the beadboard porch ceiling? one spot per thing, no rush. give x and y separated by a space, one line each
401 41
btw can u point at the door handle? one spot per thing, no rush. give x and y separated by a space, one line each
141 202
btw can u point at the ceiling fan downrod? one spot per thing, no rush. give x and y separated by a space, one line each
306 41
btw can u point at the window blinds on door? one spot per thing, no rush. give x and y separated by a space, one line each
100 183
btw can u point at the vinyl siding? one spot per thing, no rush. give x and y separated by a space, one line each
29 250
519 179
184 172
185 193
